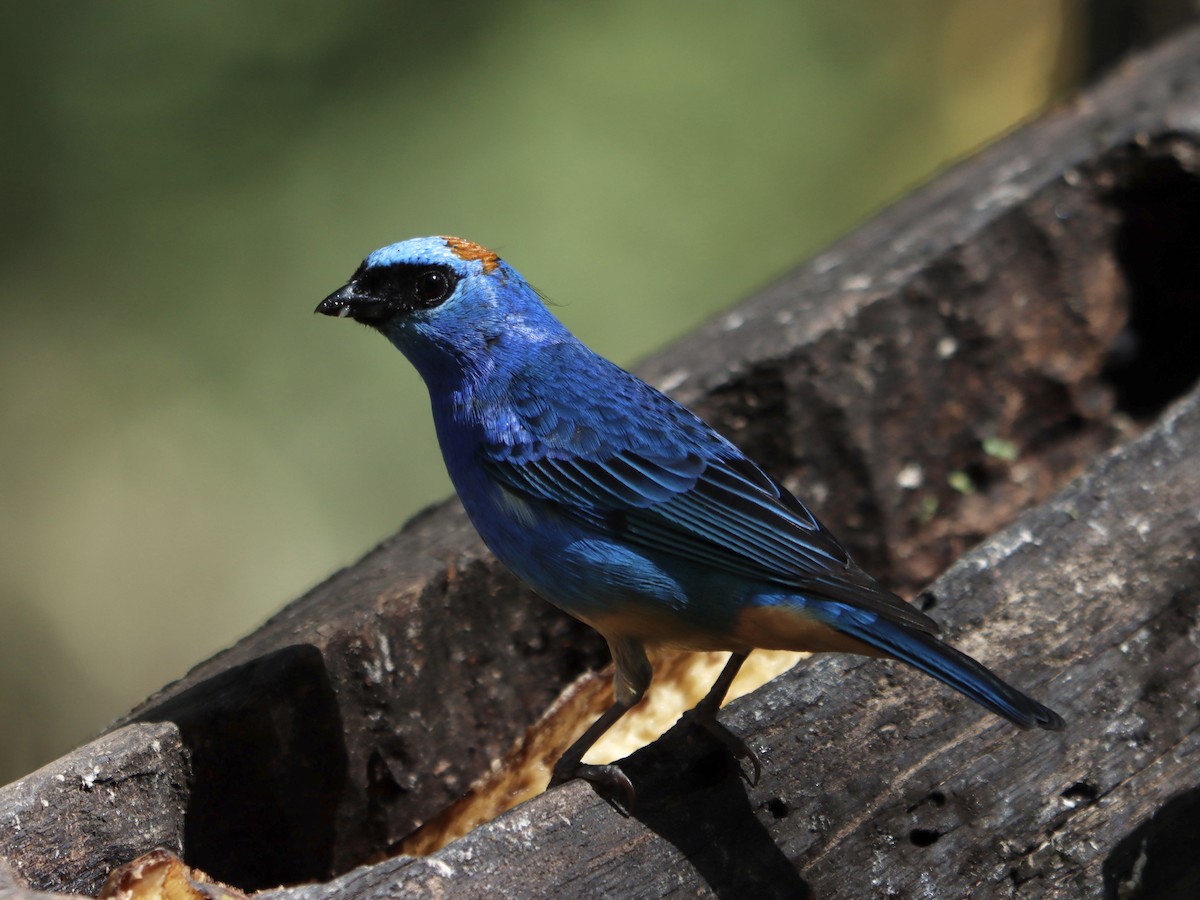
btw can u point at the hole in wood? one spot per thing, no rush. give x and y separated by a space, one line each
1155 359
778 807
1079 793
923 837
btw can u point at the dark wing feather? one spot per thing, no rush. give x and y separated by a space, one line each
725 513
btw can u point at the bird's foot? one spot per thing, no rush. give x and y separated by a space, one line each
707 719
608 778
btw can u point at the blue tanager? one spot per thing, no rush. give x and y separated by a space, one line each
620 506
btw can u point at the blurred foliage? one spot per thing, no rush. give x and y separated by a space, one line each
186 447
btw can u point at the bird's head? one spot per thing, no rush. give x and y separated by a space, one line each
451 306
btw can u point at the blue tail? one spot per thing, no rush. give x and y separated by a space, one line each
949 666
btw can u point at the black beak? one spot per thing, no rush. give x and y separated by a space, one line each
348 302
340 303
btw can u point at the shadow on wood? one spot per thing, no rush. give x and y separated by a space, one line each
269 768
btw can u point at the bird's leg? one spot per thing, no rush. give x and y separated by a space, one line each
633 674
570 764
704 714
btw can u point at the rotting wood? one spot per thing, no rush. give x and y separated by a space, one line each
880 783
64 826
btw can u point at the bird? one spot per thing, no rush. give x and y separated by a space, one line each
622 507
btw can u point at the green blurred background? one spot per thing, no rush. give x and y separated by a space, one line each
186 447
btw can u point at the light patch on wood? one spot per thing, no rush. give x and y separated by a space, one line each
681 680
466 250
161 875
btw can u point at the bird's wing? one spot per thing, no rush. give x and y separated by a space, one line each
721 512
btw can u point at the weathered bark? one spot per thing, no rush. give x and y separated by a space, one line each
945 367
64 826
879 783
12 889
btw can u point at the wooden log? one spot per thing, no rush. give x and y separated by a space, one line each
879 782
11 888
63 827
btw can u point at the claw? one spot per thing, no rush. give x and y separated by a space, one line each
735 745
609 778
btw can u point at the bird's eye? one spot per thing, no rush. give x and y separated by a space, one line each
433 287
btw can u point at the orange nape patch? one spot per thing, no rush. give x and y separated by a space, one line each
466 250
787 628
